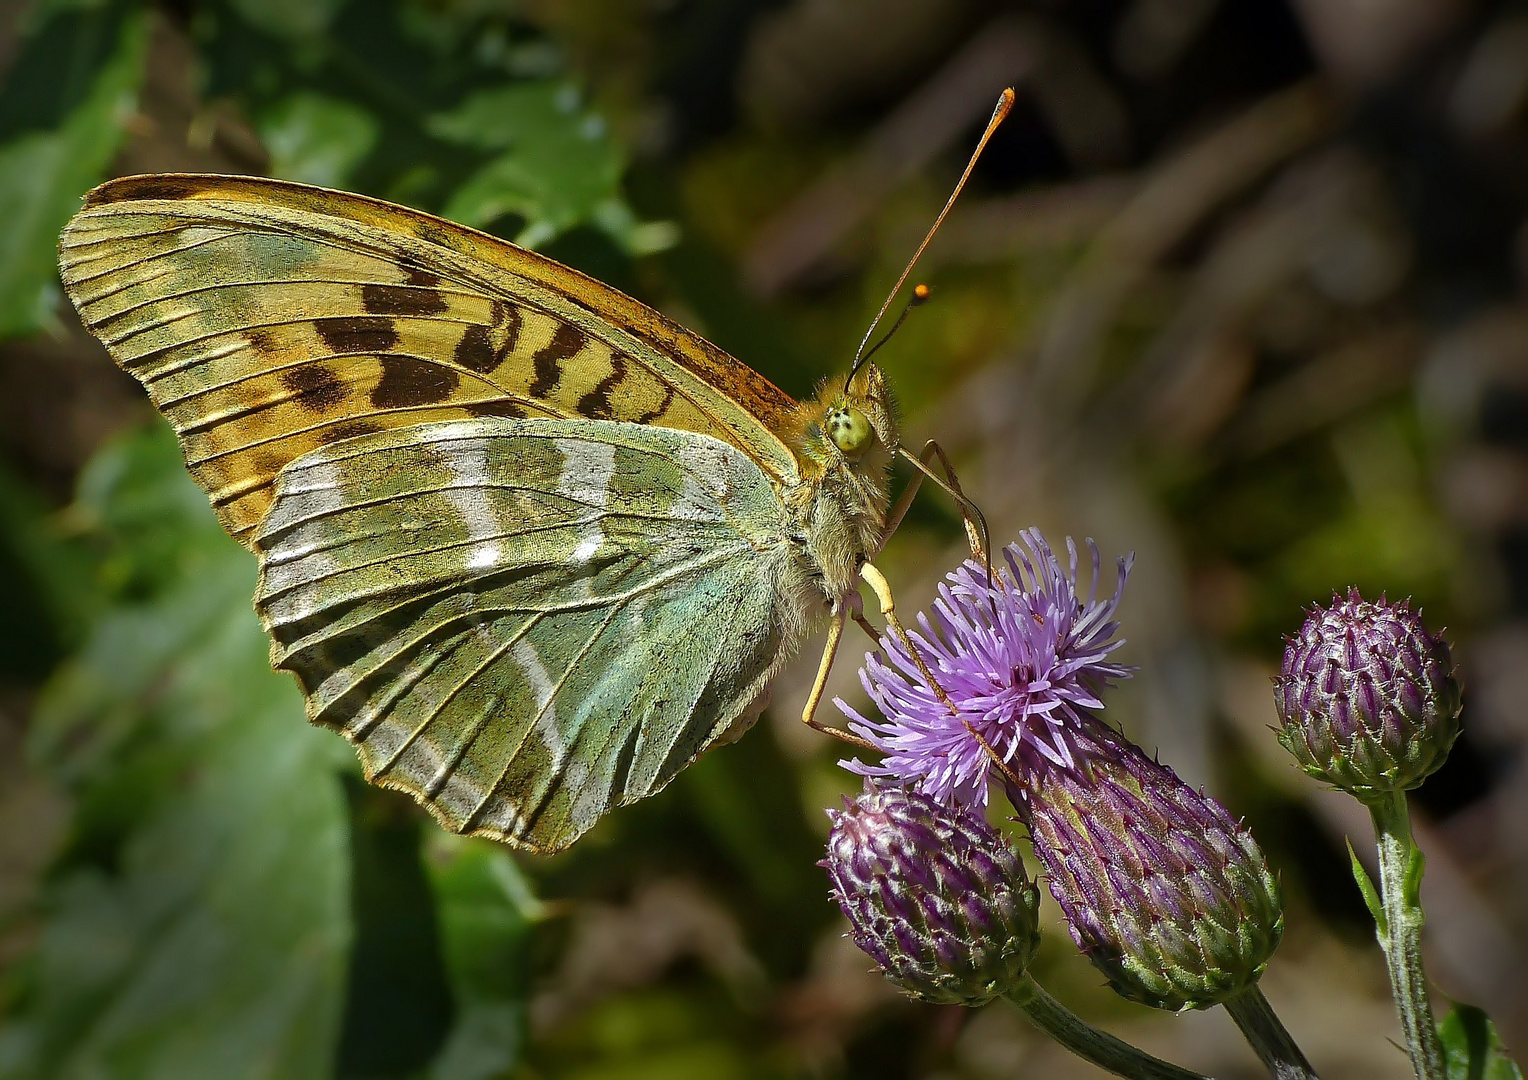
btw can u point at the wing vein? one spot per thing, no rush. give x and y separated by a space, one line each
526 820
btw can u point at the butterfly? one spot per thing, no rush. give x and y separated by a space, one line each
530 545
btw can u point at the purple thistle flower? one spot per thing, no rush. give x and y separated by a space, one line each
1163 890
1369 699
1018 657
1166 893
936 896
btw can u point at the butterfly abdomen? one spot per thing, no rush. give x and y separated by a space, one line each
843 531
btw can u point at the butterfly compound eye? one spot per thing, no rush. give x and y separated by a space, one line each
849 429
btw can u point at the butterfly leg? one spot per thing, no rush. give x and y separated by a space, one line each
824 666
870 631
971 515
882 589
841 614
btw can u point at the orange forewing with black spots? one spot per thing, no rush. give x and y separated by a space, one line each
267 319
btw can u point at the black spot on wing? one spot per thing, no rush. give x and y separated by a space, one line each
357 333
402 300
596 403
146 187
408 382
476 350
496 407
342 651
314 386
434 232
419 276
349 430
261 338
549 359
653 414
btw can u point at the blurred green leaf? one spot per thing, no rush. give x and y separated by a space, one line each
398 1009
486 914
51 596
317 139
1473 1049
557 167
288 18
198 923
637 238
538 118
657 1034
1371 896
148 525
44 173
45 9
61 46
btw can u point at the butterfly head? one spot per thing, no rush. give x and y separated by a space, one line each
850 421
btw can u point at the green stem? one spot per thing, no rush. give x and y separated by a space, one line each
1256 1018
1399 922
1087 1042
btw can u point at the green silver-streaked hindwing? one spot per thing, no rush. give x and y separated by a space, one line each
526 622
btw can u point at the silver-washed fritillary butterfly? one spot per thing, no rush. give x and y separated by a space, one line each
526 542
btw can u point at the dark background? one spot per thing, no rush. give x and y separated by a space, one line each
1239 287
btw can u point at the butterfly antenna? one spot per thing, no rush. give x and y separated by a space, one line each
921 294
1004 104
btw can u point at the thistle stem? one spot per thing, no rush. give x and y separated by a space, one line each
1399 929
1087 1042
1267 1036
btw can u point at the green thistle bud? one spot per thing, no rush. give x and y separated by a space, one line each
1163 891
934 895
1368 698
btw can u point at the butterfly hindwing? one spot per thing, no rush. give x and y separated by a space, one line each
524 623
268 319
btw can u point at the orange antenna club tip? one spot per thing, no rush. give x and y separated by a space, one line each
920 292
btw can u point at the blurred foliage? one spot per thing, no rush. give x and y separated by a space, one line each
217 881
1217 292
197 924
480 119
1474 1049
62 111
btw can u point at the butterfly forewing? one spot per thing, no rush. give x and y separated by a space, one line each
269 319
524 623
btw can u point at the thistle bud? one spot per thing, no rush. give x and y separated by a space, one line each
1163 891
1367 697
934 895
